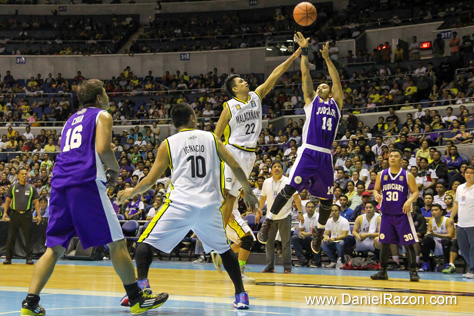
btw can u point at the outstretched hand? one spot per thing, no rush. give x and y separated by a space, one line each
325 50
299 38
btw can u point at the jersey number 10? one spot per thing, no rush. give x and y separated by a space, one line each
198 166
73 141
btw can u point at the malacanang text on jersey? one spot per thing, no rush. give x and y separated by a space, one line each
193 149
247 116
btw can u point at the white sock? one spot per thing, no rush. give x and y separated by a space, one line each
452 264
270 215
396 259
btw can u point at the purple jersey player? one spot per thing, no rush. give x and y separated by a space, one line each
79 203
399 192
313 168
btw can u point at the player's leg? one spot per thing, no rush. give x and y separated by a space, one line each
282 198
58 235
318 230
246 245
408 237
428 245
446 246
209 229
387 236
453 254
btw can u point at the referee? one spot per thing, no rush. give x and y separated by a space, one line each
19 197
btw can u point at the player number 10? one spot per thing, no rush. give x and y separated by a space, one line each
73 141
327 123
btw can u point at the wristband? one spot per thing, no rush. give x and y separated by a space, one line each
304 51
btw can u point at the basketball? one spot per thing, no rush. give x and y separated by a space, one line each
305 14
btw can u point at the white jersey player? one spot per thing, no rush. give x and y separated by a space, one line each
241 123
196 159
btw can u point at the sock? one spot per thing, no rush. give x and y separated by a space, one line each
242 263
384 254
143 259
32 299
270 215
143 284
396 259
231 265
417 259
133 291
452 264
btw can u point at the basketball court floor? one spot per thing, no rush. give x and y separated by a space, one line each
92 288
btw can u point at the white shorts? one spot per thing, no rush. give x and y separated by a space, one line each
246 161
237 228
366 245
174 220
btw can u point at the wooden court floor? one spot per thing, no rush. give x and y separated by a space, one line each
92 288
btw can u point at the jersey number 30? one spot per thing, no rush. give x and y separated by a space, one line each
198 166
73 141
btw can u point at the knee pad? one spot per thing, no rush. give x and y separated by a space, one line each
288 191
247 242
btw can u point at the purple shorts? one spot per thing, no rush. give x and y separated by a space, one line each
313 171
84 210
398 230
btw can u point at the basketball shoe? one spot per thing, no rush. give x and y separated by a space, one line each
317 239
144 285
217 260
36 310
241 301
146 302
262 235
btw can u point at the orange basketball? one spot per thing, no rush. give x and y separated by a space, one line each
305 14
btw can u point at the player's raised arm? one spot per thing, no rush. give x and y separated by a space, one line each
267 86
336 89
307 81
223 121
162 162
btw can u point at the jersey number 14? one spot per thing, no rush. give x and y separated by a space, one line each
327 123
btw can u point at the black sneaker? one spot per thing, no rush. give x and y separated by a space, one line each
414 276
381 275
146 302
36 310
318 235
262 235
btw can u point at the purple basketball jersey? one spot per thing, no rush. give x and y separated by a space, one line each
322 120
78 161
395 192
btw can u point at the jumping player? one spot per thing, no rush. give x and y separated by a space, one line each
196 159
397 227
241 124
78 173
313 168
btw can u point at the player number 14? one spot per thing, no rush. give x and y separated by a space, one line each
327 123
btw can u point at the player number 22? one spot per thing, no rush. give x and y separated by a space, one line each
327 123
75 140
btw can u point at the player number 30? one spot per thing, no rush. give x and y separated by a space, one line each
74 140
392 196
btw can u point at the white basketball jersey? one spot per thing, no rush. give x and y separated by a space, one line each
367 227
439 229
196 168
245 122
